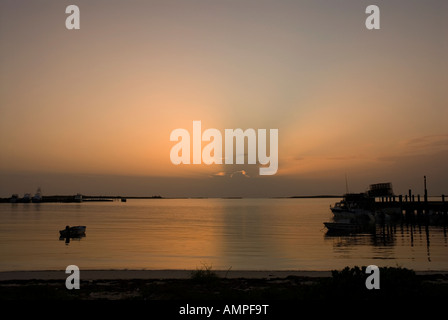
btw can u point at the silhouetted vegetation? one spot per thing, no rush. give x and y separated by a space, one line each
204 275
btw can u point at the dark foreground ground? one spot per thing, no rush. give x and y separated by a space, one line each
205 285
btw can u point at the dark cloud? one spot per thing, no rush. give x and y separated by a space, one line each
426 142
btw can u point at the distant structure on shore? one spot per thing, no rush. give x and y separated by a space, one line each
78 198
38 196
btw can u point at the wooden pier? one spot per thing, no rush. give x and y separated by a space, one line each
413 207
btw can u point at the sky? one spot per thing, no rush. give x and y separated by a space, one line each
91 110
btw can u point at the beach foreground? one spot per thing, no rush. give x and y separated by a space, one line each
207 284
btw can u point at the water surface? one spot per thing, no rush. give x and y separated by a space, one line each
238 234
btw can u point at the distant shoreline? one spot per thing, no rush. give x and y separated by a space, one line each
72 198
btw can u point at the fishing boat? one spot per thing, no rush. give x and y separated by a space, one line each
343 209
353 205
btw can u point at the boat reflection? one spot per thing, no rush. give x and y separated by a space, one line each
385 237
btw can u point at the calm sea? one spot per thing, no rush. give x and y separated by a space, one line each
237 234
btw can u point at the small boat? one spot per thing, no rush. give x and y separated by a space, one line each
73 232
352 225
343 226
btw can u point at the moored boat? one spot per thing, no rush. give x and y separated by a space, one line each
353 205
343 226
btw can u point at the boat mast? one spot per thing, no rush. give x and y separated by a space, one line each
346 184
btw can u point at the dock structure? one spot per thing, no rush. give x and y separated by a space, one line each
383 204
412 206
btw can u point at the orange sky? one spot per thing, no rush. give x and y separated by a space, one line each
104 99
